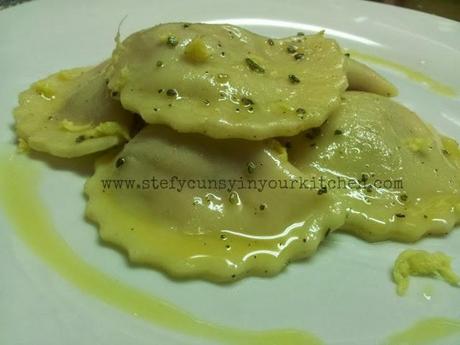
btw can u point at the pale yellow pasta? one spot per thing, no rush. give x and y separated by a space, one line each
71 114
405 181
220 233
363 78
227 82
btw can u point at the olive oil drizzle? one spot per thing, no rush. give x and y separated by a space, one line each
20 201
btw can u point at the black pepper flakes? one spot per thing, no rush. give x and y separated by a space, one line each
160 63
270 42
251 167
403 197
322 190
247 101
262 207
300 111
253 66
186 25
400 215
293 79
364 178
233 198
120 161
300 34
172 41
114 93
338 132
171 92
299 56
291 49
80 139
312 133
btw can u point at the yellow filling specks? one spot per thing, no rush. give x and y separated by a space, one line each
197 51
422 263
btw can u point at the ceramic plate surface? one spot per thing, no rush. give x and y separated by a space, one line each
343 295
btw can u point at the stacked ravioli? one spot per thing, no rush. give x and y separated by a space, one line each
221 110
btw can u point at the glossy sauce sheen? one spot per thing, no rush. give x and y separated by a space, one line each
291 232
46 243
227 82
34 227
371 140
212 233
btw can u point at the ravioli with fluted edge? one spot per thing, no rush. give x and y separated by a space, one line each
227 82
71 114
403 178
219 233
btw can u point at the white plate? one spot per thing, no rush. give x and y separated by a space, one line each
344 294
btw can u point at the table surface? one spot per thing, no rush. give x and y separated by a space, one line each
444 8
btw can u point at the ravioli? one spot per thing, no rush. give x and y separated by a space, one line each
363 78
226 82
71 114
216 231
396 177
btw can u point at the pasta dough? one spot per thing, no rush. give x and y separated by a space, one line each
218 233
362 78
71 114
226 82
405 177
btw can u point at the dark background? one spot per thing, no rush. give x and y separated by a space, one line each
444 8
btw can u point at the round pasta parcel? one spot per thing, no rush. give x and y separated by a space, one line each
226 82
363 78
396 176
194 206
71 113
